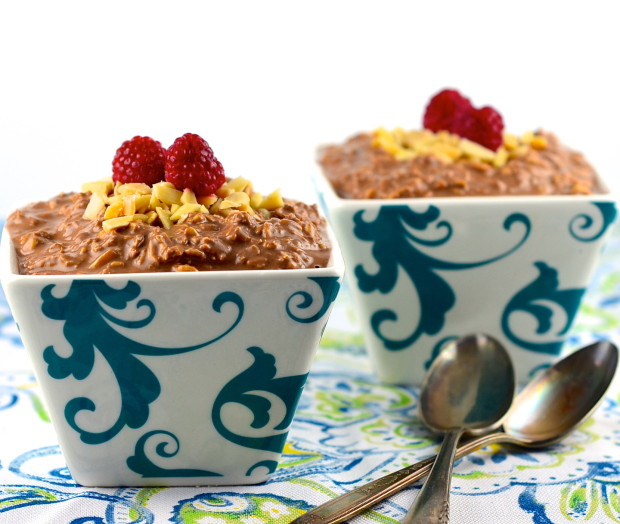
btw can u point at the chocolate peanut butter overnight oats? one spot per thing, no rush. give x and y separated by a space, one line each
462 151
510 256
167 210
150 353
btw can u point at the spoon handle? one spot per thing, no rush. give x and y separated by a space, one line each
353 502
432 505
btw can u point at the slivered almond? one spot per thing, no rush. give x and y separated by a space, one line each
184 210
115 223
527 137
129 207
167 194
134 188
164 217
188 197
405 154
124 203
238 184
235 200
142 203
539 142
102 187
184 267
114 210
94 207
154 202
255 200
207 200
510 141
272 201
501 157
474 150
104 258
114 199
405 145
31 243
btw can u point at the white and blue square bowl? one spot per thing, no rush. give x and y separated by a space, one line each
424 271
165 379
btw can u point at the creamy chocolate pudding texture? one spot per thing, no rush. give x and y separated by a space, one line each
53 237
360 169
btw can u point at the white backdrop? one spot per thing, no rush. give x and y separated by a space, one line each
265 82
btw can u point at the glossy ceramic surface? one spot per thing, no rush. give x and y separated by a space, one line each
426 271
172 379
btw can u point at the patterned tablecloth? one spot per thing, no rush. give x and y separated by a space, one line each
349 429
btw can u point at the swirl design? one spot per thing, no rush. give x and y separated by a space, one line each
21 502
167 447
227 506
583 226
394 247
594 497
329 287
7 400
269 465
254 388
89 327
40 460
532 299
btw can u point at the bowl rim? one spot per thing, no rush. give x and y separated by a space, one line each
335 267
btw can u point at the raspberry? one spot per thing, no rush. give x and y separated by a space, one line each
445 109
451 111
488 128
190 163
140 159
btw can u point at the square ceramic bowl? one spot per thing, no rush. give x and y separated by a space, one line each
424 271
166 379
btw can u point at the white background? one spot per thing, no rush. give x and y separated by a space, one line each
265 82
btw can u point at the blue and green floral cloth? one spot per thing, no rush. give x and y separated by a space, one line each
349 429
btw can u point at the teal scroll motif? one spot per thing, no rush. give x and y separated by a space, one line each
329 287
584 222
143 465
252 388
531 299
270 465
89 327
395 246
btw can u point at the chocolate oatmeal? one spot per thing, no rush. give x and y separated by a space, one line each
361 168
54 237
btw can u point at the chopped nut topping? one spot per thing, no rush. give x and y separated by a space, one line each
404 145
103 259
163 204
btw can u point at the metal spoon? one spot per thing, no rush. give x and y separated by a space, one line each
469 387
534 420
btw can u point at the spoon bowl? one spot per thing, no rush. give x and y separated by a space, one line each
559 398
532 421
469 387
